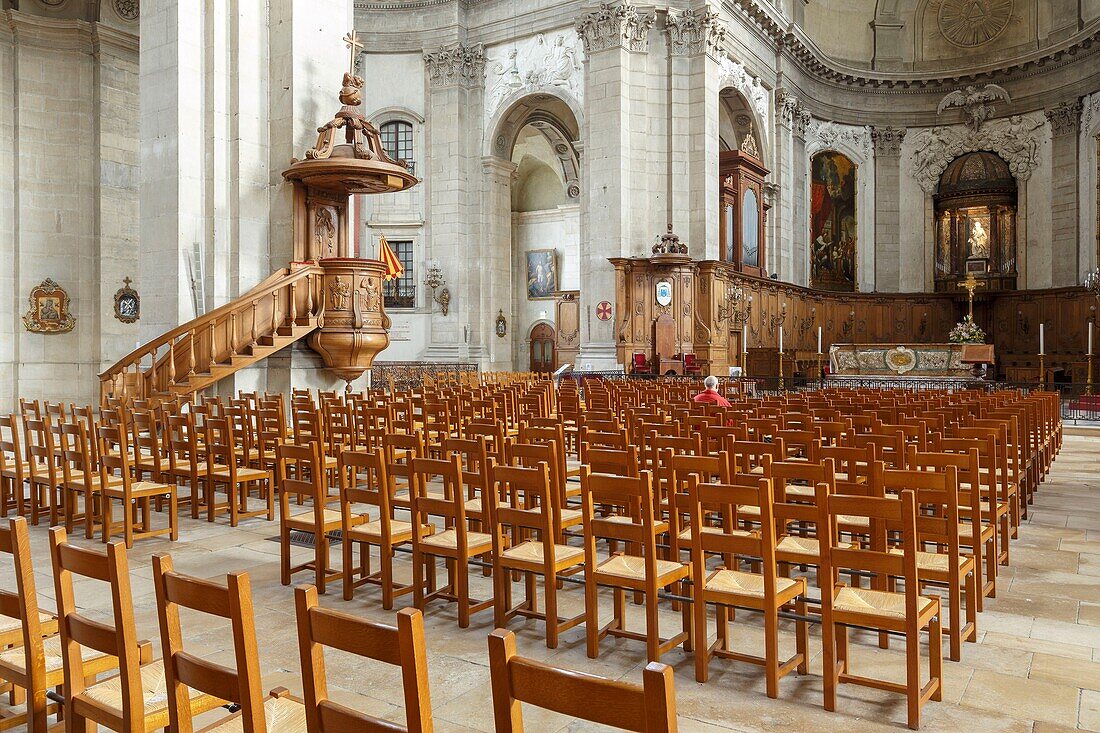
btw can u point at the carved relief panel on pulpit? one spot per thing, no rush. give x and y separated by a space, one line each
326 236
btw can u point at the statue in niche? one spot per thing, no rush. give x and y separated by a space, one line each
978 243
325 228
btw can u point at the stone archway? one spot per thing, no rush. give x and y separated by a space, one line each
531 211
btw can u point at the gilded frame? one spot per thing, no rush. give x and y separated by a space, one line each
49 309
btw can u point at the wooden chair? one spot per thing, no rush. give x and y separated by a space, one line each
43 475
81 478
934 481
646 708
308 483
456 543
135 496
729 587
522 508
401 646
227 466
365 481
135 699
185 459
13 468
906 612
643 572
30 650
187 675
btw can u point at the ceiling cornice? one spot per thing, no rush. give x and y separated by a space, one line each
792 41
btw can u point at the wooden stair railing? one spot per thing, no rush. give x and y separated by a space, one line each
282 309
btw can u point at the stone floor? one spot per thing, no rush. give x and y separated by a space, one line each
1036 667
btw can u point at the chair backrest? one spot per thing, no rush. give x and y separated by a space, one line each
307 480
39 444
646 708
837 554
78 630
399 450
21 603
626 496
182 669
364 480
522 498
401 646
452 504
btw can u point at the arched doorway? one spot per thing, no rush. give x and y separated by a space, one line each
543 338
976 222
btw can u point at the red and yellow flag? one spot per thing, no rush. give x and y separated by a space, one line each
394 268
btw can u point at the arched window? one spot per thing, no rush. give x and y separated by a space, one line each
397 139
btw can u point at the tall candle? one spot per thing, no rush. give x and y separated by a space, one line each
780 339
819 339
1090 339
1042 339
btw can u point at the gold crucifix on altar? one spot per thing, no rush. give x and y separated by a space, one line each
351 40
971 284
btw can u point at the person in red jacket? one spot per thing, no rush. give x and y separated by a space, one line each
710 394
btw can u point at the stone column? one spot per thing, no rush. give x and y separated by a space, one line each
496 263
695 39
456 75
613 38
1065 252
171 154
780 246
887 242
790 254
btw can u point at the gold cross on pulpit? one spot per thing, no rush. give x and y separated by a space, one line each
971 284
351 40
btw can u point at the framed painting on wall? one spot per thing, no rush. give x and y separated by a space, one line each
542 274
49 312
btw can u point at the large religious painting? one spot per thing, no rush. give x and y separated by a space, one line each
542 273
833 222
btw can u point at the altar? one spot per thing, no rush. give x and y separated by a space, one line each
887 360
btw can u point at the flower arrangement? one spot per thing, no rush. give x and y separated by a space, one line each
966 332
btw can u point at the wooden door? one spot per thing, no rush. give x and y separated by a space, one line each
542 348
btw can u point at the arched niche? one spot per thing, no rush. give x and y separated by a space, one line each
834 221
741 173
738 120
535 138
975 210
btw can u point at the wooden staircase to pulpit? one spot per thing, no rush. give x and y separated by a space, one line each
326 295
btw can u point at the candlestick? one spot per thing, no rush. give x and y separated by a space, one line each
1088 377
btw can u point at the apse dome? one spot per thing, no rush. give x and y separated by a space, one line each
978 172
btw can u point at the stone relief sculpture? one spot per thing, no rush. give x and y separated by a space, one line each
831 134
534 64
976 104
1014 139
733 74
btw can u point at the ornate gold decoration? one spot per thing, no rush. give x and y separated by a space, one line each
127 303
444 300
748 145
49 311
501 324
972 23
970 284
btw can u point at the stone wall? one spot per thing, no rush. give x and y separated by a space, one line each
68 200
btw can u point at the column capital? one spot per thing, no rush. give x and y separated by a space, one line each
887 140
693 32
1064 118
456 64
791 113
497 166
615 26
